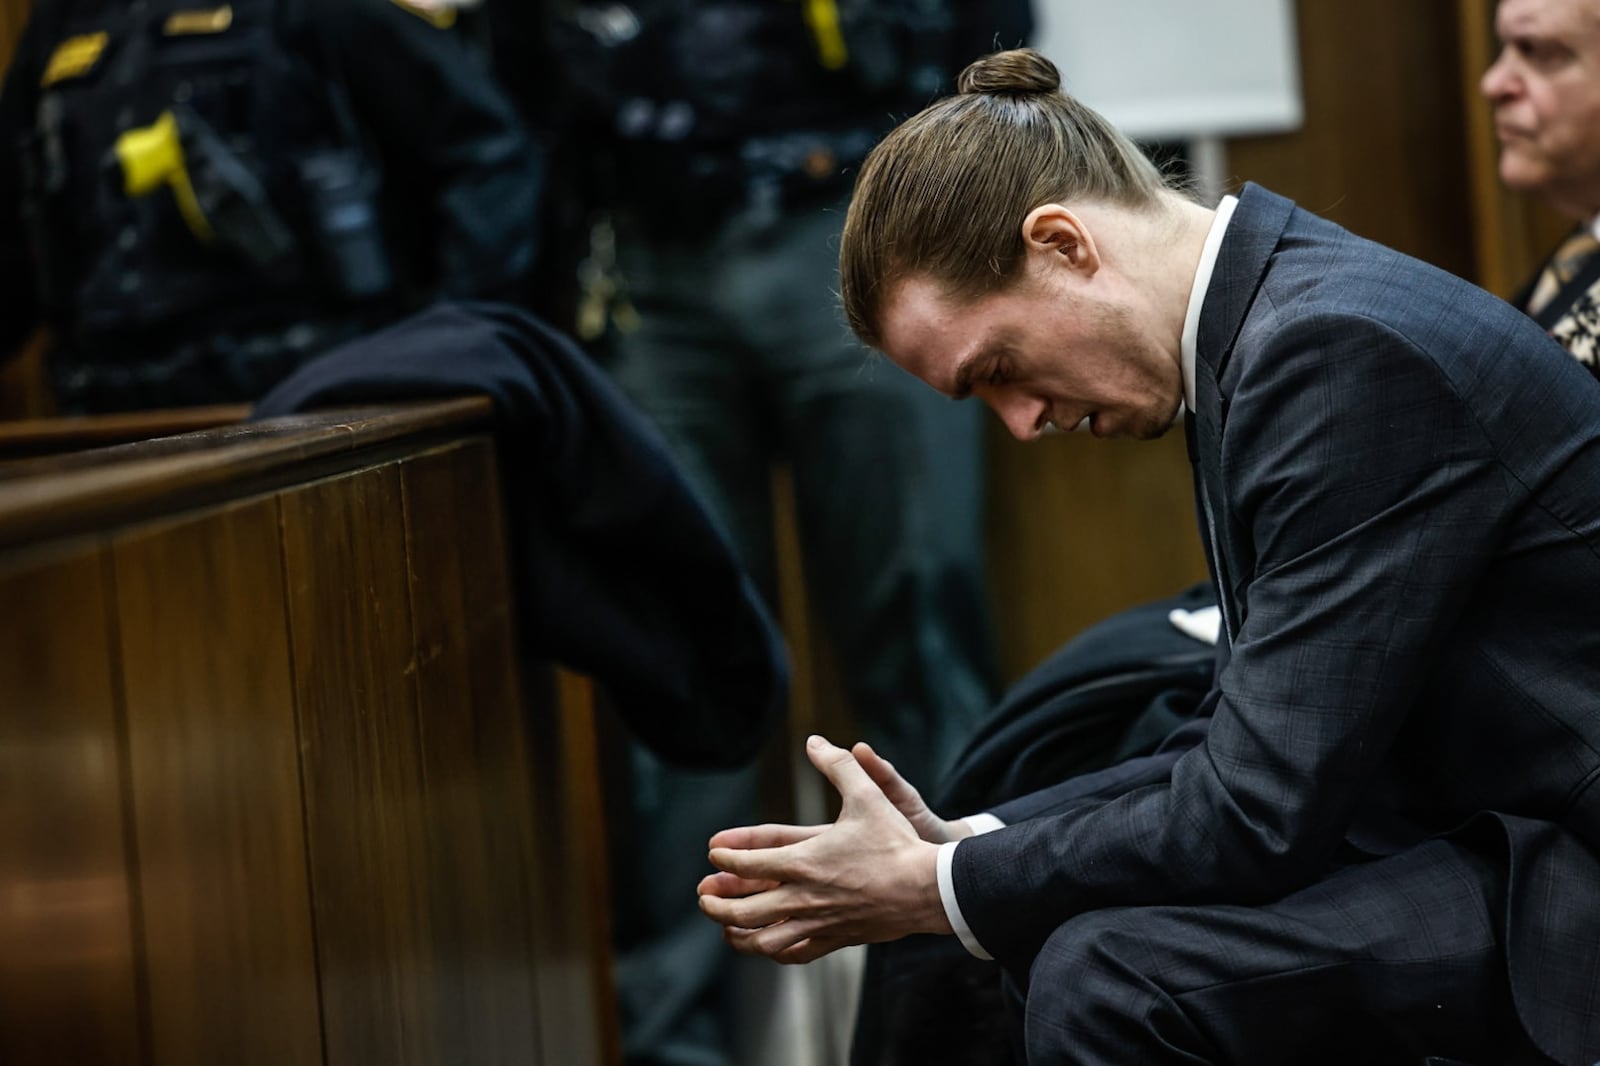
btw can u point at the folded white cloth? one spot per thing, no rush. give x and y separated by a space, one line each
1203 624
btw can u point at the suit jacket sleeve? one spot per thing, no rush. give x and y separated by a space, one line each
1358 487
1111 781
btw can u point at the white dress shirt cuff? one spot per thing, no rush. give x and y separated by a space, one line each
983 823
979 824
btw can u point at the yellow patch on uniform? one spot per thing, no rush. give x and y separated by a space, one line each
152 158
823 18
440 16
73 58
190 23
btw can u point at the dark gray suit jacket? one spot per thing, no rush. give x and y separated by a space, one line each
1405 477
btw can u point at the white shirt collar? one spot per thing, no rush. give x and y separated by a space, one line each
1197 295
1594 226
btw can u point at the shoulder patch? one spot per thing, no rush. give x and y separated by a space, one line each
440 14
191 23
73 58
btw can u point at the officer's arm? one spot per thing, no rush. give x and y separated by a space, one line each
428 99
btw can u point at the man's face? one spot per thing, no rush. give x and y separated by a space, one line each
1545 90
1046 351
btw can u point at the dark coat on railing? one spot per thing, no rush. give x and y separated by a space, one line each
623 573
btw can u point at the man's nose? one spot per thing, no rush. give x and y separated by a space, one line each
1024 417
1499 81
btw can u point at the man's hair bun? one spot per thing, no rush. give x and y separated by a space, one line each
1019 72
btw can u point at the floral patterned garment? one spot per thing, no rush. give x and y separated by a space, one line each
1578 331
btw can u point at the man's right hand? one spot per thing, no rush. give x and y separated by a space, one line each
906 799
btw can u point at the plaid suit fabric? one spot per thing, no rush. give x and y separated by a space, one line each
1405 478
1379 963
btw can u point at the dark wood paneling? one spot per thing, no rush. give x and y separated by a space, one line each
350 623
67 955
352 836
485 877
1383 147
791 789
231 968
1081 528
13 17
573 921
61 495
45 436
25 389
454 829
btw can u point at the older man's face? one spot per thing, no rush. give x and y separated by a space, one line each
1545 90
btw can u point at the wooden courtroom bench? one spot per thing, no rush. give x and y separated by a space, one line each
276 783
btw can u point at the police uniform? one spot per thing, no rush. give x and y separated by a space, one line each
196 197
735 127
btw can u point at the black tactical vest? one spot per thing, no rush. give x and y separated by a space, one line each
251 170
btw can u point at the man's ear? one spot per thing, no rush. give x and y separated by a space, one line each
1057 233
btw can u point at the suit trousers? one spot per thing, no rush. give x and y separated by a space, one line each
1384 961
742 358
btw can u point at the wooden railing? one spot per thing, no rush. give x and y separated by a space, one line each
277 784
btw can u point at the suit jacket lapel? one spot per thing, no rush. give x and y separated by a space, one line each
1253 234
1206 454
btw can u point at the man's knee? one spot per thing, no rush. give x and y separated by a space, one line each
1091 995
1091 945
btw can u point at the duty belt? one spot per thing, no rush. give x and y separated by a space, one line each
688 188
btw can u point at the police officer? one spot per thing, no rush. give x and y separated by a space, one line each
198 195
732 128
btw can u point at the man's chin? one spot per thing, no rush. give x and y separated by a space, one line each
1519 175
1155 432
1141 430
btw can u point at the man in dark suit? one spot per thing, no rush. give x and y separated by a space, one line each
1545 90
1384 841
